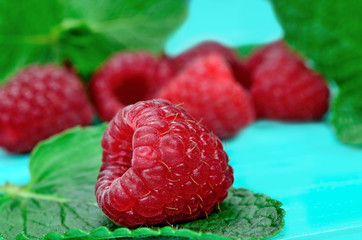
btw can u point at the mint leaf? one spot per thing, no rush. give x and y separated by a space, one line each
327 33
85 49
347 116
134 24
82 32
27 36
60 195
245 50
60 199
330 34
243 215
114 26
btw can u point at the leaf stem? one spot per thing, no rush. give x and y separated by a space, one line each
22 192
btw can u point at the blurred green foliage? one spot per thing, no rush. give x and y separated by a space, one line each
329 33
83 33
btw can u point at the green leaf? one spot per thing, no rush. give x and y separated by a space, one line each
60 195
60 199
85 49
83 32
327 33
27 36
347 116
330 34
136 24
243 215
113 26
245 50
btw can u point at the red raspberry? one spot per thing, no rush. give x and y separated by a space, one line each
209 92
284 88
38 102
258 56
160 166
125 79
238 68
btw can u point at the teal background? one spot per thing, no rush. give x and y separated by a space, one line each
318 179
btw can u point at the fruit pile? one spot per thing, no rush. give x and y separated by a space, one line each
163 160
209 80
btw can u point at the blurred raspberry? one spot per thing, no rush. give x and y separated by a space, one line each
238 68
208 90
38 102
284 88
126 78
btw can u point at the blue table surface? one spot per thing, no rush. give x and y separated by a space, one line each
318 179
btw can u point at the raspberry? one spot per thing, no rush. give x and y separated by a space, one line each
284 88
38 102
209 92
238 68
160 166
126 78
258 56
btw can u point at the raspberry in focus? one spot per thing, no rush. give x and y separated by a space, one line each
160 166
126 78
209 92
38 102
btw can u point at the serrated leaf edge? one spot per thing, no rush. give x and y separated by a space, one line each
103 233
